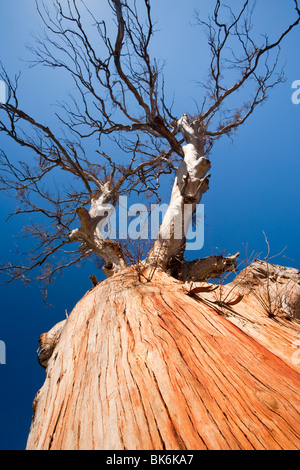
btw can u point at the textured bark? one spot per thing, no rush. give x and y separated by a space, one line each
90 231
154 366
191 182
208 268
48 341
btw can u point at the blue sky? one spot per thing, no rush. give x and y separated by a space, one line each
254 185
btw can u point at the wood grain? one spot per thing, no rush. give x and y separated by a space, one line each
146 366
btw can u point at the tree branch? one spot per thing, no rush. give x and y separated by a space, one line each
238 29
208 268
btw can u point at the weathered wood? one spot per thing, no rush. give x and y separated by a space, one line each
191 182
48 341
147 366
208 268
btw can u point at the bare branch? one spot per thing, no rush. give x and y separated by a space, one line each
208 268
116 133
234 35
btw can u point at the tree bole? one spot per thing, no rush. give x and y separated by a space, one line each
146 366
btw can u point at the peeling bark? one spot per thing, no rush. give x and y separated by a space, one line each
278 286
146 366
48 341
191 182
208 268
167 253
262 269
90 232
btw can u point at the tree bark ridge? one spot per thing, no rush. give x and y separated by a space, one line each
145 366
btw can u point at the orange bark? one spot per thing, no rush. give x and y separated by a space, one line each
147 366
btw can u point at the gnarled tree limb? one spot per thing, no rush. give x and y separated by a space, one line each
208 268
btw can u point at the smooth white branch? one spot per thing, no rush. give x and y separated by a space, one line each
191 182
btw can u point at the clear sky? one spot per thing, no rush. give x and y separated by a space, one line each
254 184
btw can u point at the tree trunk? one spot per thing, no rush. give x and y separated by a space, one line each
191 182
155 365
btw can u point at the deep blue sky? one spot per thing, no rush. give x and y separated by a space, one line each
254 184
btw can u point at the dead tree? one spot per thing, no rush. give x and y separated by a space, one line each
121 96
120 100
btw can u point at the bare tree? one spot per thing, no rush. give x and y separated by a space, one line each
120 100
138 365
